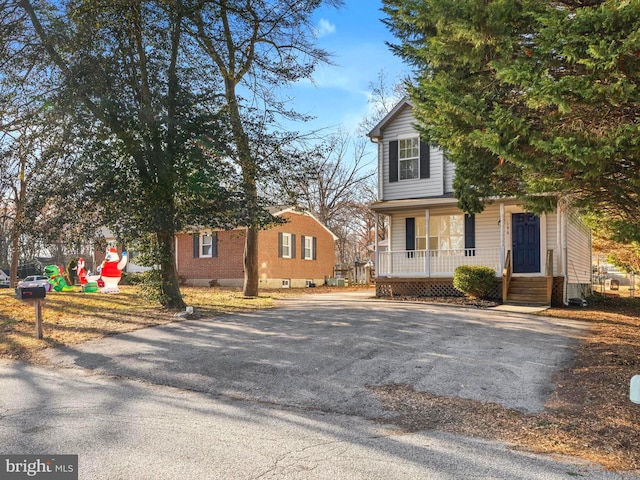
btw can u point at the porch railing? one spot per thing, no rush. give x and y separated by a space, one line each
441 263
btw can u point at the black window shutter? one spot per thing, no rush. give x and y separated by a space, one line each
470 233
293 245
279 244
315 248
425 164
410 231
214 244
393 161
302 247
196 245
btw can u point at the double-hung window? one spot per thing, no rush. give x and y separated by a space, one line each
206 244
409 158
309 247
285 246
446 232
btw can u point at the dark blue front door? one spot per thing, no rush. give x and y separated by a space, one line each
526 243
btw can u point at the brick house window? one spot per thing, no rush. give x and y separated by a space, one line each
205 244
286 245
309 247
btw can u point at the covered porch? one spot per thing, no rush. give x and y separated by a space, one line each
427 242
436 263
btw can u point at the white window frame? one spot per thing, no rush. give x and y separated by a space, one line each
409 152
203 244
421 233
286 237
438 234
307 253
286 283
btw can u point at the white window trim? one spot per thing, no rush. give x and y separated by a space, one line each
288 237
408 159
435 233
202 244
308 245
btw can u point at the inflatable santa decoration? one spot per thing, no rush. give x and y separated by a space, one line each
111 270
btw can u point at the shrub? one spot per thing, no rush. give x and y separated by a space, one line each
474 281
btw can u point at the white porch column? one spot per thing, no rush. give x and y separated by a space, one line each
502 241
375 242
427 261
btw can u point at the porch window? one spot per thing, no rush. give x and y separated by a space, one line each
421 233
446 232
409 151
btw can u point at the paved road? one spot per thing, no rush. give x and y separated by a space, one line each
281 394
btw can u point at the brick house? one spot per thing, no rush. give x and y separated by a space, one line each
294 254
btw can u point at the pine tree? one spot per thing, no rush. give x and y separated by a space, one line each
537 99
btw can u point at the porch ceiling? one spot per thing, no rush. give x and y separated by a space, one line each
385 206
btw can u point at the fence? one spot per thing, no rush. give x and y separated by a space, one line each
620 284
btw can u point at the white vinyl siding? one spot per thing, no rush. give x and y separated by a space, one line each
552 242
449 171
579 251
401 127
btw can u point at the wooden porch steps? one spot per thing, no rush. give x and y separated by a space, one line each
528 291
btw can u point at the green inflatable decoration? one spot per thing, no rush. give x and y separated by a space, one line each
57 281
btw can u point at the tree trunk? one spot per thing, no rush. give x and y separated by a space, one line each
170 283
251 274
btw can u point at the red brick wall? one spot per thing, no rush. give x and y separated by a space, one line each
227 265
272 267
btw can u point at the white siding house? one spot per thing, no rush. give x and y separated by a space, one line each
429 237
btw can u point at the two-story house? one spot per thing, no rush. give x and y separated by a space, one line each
537 259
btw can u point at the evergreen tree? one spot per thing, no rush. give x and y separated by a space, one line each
537 99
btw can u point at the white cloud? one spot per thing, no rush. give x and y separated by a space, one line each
325 27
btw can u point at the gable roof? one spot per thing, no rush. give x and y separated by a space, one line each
376 133
277 211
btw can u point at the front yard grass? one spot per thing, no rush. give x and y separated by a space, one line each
74 317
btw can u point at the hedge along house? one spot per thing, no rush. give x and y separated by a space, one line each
537 259
297 253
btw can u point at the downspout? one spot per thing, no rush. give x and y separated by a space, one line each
502 240
565 259
376 248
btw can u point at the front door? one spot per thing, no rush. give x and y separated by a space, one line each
526 243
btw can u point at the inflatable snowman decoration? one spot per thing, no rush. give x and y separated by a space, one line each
111 270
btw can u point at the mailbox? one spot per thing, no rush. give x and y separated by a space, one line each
27 293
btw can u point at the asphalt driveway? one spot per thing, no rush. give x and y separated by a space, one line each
320 352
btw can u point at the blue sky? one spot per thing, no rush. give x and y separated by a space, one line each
356 37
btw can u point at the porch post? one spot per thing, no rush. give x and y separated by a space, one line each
502 242
427 258
375 235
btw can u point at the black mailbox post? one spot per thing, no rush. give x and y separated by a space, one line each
36 294
28 293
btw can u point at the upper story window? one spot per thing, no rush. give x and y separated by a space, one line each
408 158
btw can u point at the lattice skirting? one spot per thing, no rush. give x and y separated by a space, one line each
425 287
557 292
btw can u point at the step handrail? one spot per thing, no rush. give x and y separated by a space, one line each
506 276
549 275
